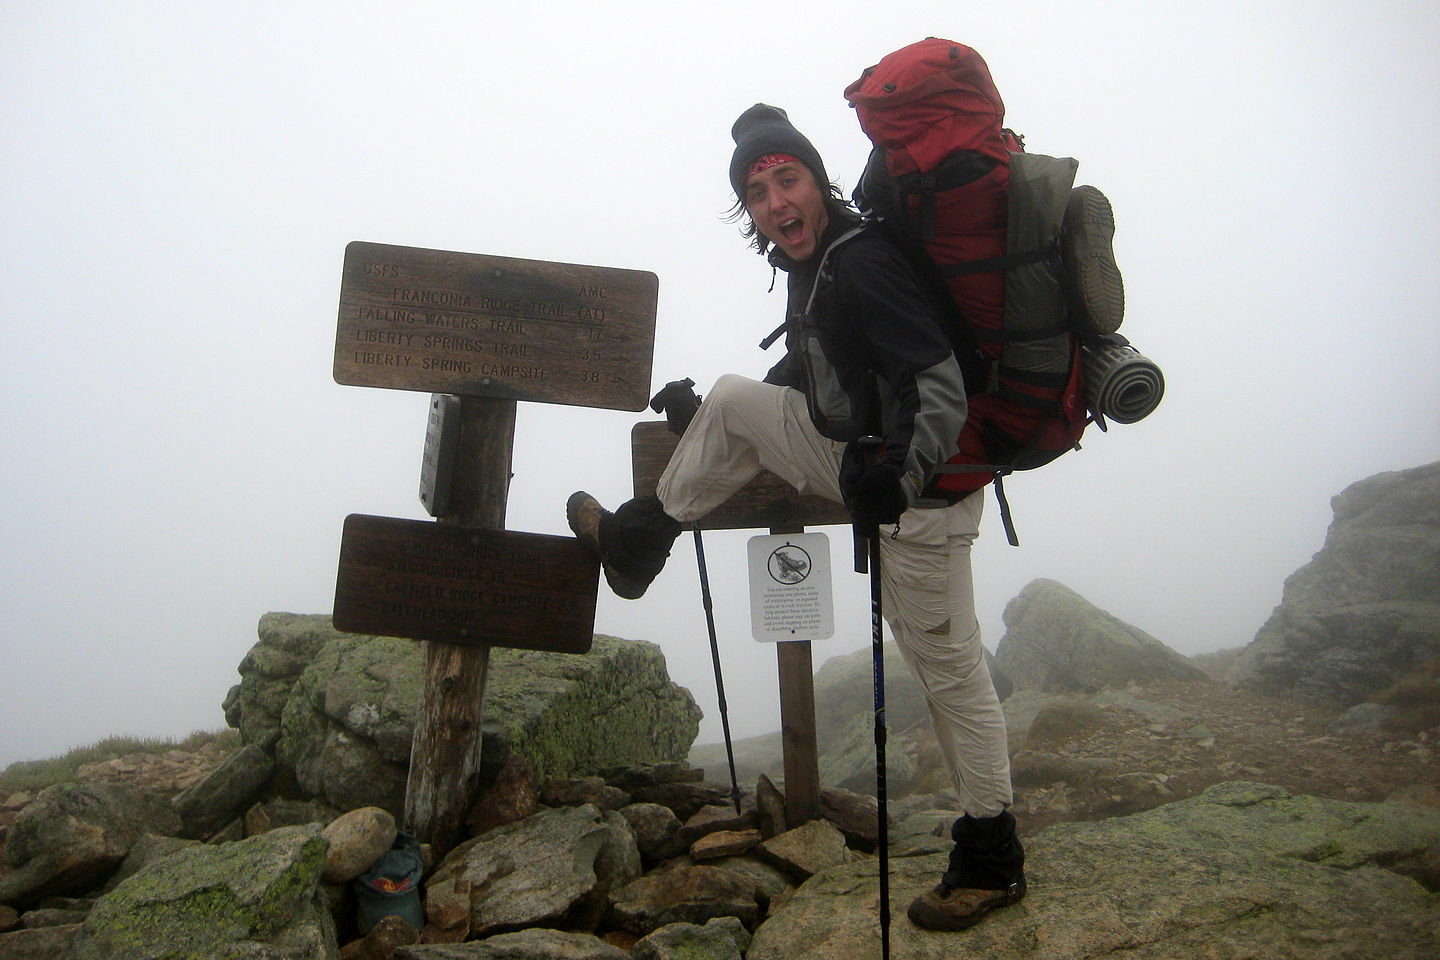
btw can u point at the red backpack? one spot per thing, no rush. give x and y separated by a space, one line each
982 220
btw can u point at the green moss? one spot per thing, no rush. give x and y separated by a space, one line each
188 905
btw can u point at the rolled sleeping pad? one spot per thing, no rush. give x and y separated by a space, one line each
1121 384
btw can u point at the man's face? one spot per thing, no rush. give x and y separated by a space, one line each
787 206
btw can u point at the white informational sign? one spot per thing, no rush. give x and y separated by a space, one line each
790 594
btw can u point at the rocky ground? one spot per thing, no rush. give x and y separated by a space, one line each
157 774
1088 758
1139 757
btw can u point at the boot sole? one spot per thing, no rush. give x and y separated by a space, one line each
1097 289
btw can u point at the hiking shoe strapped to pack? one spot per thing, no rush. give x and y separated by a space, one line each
632 543
1093 284
955 908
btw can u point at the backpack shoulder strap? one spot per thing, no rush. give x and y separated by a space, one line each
821 272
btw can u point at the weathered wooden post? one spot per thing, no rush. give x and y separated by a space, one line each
445 752
767 501
491 331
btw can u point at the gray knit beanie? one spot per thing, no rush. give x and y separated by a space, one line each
765 129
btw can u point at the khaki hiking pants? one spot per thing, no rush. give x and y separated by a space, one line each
928 597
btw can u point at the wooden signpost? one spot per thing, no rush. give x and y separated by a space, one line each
494 330
767 501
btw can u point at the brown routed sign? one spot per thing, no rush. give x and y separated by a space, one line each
487 326
465 585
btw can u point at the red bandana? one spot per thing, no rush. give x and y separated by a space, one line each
770 160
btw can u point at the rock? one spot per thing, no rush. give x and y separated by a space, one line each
573 791
288 643
845 735
145 849
722 939
656 830
684 894
637 777
387 935
73 836
847 760
770 882
338 710
724 843
357 839
276 812
683 797
575 716
549 869
806 849
1365 610
253 898
1364 718
770 805
845 727
511 798
856 814
447 910
9 918
224 795
1056 640
716 817
42 943
52 917
539 944
1241 870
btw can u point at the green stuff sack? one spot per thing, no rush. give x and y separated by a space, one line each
391 887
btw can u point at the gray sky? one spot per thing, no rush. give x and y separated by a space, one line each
178 182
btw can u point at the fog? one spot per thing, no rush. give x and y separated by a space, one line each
178 182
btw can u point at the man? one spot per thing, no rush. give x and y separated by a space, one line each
866 355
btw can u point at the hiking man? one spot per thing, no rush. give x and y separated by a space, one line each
866 355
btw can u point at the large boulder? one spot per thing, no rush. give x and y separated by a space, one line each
341 725
73 836
1056 640
1366 609
1243 870
254 898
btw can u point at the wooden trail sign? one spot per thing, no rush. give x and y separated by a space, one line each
465 585
487 326
766 501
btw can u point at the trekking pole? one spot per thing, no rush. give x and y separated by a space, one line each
715 658
877 648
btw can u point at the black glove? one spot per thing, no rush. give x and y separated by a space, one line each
874 492
678 401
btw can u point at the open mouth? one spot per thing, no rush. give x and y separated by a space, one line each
792 230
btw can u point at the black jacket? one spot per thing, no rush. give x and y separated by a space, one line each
871 353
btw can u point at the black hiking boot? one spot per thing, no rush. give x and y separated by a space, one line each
1093 284
987 871
632 543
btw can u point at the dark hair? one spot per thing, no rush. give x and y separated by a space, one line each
836 206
